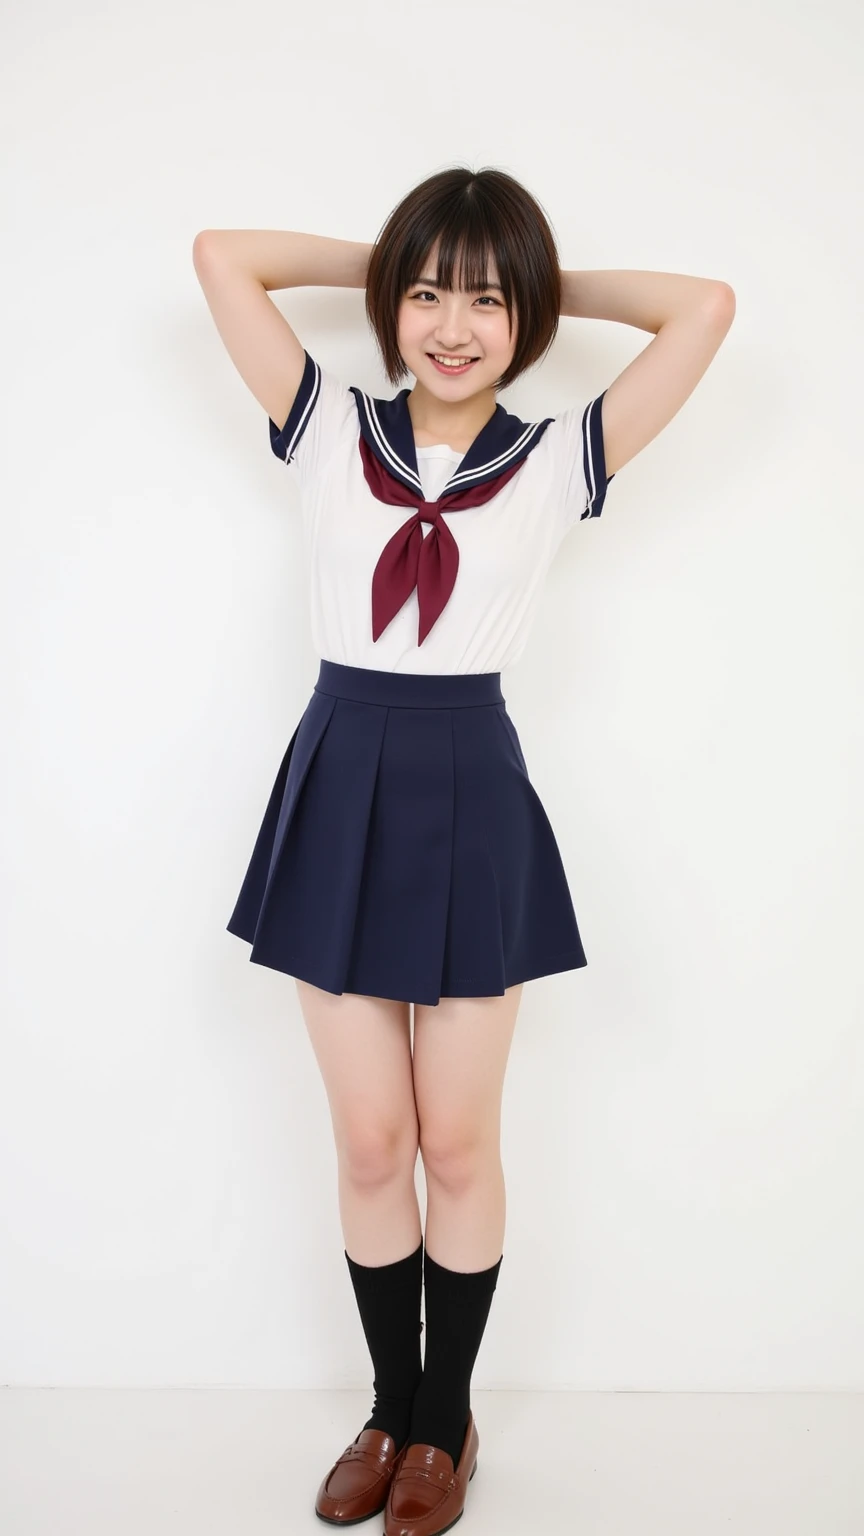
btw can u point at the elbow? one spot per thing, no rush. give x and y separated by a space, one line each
720 302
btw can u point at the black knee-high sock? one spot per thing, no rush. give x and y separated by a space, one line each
389 1297
457 1310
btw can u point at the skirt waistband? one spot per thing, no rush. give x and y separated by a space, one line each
417 690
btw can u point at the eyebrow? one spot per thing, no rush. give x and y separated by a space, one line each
431 283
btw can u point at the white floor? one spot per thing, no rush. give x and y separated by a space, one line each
137 1463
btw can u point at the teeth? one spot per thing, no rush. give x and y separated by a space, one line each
452 362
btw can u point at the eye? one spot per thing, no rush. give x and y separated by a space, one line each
484 299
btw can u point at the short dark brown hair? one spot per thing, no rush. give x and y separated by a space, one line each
473 213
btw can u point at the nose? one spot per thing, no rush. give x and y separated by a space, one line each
453 330
453 343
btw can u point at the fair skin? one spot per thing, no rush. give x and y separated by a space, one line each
688 318
445 1099
453 408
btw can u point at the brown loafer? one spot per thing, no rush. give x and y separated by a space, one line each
356 1487
426 1495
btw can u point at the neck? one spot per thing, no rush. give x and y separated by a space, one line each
462 421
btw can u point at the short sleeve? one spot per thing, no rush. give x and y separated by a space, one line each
575 440
322 418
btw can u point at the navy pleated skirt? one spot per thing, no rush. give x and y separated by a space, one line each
404 852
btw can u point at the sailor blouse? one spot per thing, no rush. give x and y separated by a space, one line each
421 559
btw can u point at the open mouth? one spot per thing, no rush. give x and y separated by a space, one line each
460 365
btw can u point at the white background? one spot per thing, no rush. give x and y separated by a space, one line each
683 1128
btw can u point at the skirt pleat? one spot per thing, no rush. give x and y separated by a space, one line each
404 852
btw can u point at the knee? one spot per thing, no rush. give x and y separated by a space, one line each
371 1154
455 1156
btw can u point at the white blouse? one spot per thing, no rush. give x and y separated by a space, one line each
506 545
435 466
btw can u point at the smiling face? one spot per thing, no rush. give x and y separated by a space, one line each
433 323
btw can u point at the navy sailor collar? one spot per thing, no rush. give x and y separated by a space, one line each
387 429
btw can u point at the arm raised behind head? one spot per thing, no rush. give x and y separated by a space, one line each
236 269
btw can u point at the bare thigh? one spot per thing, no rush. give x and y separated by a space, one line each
363 1049
461 1050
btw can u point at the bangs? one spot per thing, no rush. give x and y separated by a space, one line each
463 257
475 218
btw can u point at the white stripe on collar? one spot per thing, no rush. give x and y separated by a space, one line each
384 443
502 461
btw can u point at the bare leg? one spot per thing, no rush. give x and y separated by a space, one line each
461 1049
363 1049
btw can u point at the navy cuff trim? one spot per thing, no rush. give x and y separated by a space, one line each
594 458
284 442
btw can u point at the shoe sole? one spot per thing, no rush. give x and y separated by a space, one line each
358 1519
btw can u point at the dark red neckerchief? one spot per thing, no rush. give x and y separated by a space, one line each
410 559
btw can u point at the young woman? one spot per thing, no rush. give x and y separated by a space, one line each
404 856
